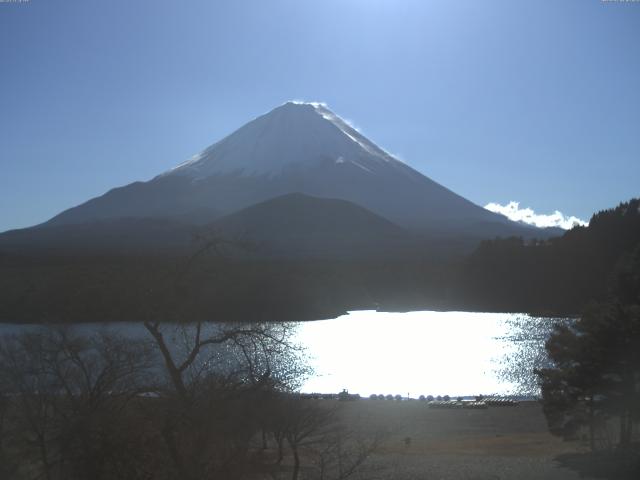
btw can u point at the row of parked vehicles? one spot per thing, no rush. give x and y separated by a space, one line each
440 401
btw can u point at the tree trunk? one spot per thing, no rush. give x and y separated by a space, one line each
296 463
42 446
626 417
592 439
174 453
625 429
172 369
629 427
280 441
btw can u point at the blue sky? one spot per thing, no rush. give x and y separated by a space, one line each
531 101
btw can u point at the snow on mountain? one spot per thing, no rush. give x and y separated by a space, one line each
290 135
298 148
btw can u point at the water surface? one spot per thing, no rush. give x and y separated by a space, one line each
426 353
411 353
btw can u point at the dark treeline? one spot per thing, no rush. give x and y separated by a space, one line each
556 276
559 275
59 289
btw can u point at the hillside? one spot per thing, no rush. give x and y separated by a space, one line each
298 225
290 226
558 275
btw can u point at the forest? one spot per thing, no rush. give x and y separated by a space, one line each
557 276
553 277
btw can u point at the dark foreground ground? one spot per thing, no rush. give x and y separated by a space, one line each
426 443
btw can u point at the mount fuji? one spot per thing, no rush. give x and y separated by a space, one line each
301 148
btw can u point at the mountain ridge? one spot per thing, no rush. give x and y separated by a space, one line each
289 226
300 225
306 148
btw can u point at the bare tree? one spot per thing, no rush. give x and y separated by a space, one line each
343 454
67 392
191 401
215 373
313 432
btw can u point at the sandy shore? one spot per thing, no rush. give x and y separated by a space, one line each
426 443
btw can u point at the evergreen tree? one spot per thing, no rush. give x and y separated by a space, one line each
596 362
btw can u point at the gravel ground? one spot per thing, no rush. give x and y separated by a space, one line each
498 443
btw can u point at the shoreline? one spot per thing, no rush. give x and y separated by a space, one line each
341 313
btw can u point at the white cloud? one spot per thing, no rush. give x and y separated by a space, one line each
513 211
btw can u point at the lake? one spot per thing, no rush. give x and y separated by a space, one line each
411 353
426 353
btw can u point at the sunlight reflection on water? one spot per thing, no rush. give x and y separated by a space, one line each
411 353
437 353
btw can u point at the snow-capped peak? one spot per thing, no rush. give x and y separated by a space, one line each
292 134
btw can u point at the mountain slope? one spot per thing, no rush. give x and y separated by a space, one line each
289 226
113 235
298 225
298 148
